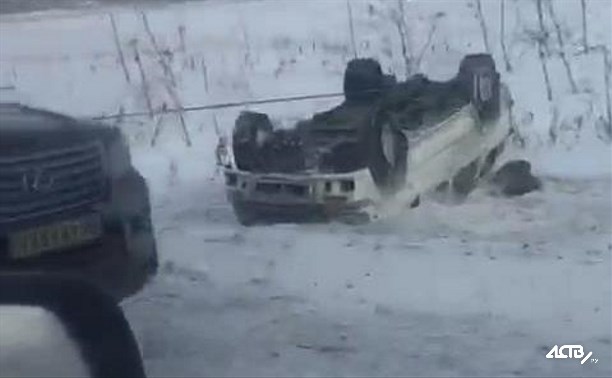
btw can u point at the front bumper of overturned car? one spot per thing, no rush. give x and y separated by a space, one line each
271 198
120 262
262 212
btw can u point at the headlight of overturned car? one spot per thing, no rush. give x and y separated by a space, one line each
119 161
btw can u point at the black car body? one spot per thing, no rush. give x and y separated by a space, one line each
71 201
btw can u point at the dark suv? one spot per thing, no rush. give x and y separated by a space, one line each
71 201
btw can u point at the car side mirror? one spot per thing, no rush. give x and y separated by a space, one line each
52 326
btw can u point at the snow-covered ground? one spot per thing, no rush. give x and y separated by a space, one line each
483 288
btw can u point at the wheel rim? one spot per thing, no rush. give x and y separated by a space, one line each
387 140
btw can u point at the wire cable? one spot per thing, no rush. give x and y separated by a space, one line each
219 106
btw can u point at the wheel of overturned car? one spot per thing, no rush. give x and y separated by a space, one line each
250 130
480 81
465 180
416 202
515 178
363 80
387 152
244 215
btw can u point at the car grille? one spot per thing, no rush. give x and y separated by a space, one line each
52 181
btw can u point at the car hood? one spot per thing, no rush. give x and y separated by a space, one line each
23 130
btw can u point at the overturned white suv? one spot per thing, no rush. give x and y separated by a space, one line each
379 151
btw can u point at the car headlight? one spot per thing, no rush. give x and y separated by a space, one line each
119 160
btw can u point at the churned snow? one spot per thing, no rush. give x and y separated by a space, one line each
482 288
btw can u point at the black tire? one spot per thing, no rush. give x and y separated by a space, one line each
416 202
363 80
465 180
480 81
387 152
244 215
515 178
443 187
244 139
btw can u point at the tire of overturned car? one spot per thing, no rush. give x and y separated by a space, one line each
363 80
515 179
387 150
244 215
465 180
481 83
248 129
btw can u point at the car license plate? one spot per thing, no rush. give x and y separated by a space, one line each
55 236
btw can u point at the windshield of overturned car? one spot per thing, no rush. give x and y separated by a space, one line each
319 188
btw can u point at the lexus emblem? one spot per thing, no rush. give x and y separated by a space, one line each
37 181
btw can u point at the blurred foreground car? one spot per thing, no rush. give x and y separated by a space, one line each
54 326
71 201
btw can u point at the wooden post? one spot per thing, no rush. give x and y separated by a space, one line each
169 84
502 34
126 72
483 27
205 74
542 51
561 42
160 57
146 91
400 24
585 43
351 28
